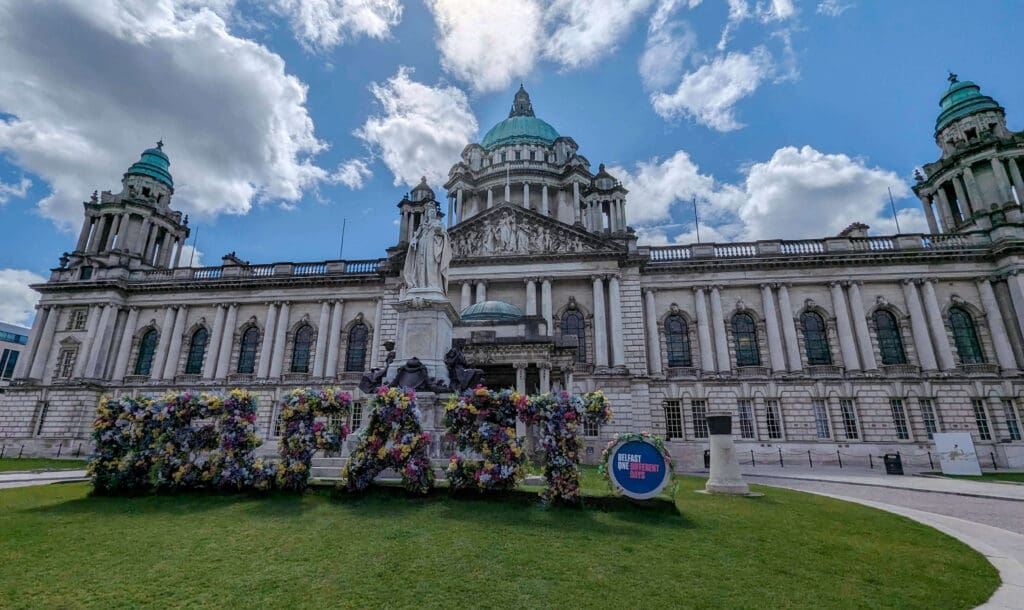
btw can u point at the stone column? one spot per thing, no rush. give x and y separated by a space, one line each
545 304
331 369
718 330
789 330
576 198
1015 283
544 209
996 326
227 341
860 326
771 323
83 235
615 305
160 356
972 188
940 340
25 359
490 198
918 327
266 348
94 246
847 344
520 376
707 362
1002 180
378 314
90 337
174 352
653 338
115 220
526 195
1018 182
467 295
481 292
545 377
42 355
531 297
178 246
945 213
508 190
964 203
322 330
280 335
451 211
929 213
600 324
213 351
124 350
460 210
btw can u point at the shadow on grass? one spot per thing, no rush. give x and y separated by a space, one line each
176 504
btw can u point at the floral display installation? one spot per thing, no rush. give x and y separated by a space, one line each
123 439
483 421
393 438
311 421
558 417
183 434
657 441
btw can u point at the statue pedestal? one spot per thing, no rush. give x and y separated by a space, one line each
424 331
724 477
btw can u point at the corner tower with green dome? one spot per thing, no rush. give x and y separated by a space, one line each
523 161
977 183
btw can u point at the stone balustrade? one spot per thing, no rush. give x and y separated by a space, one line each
356 267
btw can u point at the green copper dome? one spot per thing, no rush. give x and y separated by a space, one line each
520 126
491 311
963 98
155 164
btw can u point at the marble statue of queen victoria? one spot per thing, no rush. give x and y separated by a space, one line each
428 257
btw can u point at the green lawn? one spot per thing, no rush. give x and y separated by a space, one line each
1015 477
12 464
61 548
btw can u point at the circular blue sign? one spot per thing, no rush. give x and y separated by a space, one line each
638 469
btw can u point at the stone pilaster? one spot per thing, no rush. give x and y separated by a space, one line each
653 339
213 351
531 297
615 307
266 348
280 336
331 369
718 329
600 324
704 347
322 331
227 341
919 327
860 327
847 344
771 323
42 354
174 351
937 326
996 326
545 304
124 350
789 329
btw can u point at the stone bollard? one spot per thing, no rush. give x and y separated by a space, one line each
725 467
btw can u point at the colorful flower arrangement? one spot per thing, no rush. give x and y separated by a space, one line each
558 417
657 441
234 465
483 421
179 447
303 435
123 438
393 438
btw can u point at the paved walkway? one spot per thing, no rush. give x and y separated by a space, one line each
991 521
10 480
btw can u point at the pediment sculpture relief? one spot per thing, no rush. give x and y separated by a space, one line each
513 232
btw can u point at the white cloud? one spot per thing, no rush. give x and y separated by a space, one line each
190 257
708 95
17 300
121 74
324 24
798 193
14 190
352 173
583 31
833 8
668 43
421 129
488 44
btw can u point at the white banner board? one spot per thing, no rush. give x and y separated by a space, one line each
956 453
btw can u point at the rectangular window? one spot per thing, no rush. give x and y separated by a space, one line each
591 428
7 363
699 409
981 419
357 415
41 408
77 318
746 411
1012 422
899 419
66 363
931 420
849 413
13 337
821 419
773 419
85 273
673 419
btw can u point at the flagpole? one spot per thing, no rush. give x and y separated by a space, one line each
696 222
341 248
192 254
892 204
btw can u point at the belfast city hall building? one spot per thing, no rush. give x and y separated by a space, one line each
849 345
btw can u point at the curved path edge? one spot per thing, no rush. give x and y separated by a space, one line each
1002 548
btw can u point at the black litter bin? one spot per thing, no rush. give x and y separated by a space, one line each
707 458
893 463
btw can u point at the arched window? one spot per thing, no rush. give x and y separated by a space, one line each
677 339
247 351
147 347
815 338
355 359
965 336
572 325
300 353
196 351
890 342
744 332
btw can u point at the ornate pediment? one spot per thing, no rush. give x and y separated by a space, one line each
510 230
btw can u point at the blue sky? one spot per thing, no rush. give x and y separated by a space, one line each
785 118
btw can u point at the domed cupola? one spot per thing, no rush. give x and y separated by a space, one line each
520 126
422 192
153 163
491 311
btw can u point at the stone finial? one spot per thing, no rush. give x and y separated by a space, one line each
857 229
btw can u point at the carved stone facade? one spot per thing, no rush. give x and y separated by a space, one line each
855 344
